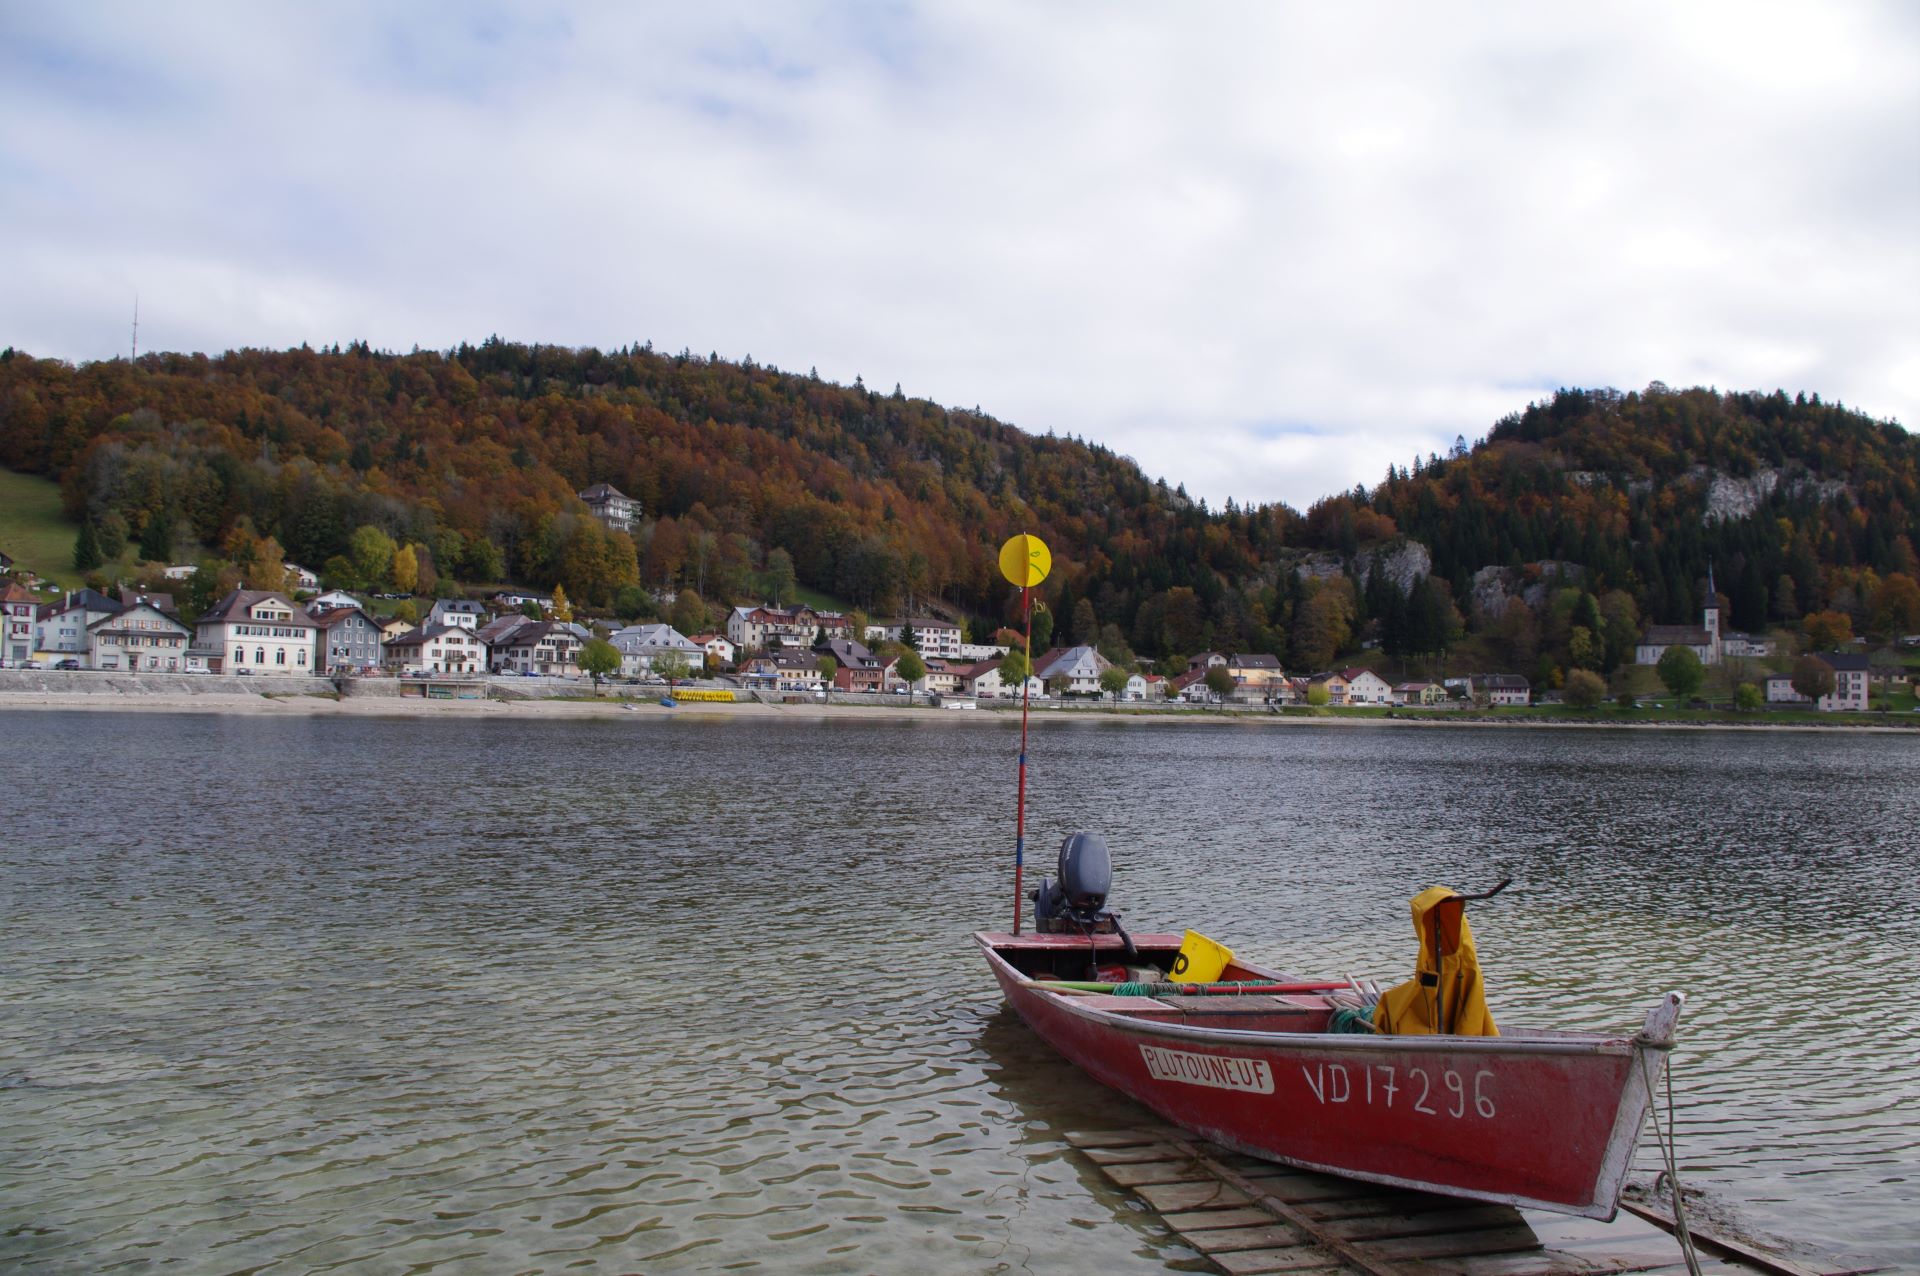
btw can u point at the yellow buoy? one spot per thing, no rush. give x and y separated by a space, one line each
1025 560
1200 960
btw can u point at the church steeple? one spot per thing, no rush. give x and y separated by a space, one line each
1710 611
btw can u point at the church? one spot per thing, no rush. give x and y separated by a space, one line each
1706 639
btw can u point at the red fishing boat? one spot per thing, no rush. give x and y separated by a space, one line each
1308 1073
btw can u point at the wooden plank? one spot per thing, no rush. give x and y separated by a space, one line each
1131 1155
1183 1171
1114 1138
1298 1187
1193 1222
1778 1264
1257 1262
1270 1235
1191 1196
1480 1218
1385 1203
1534 1263
1341 1249
1485 1241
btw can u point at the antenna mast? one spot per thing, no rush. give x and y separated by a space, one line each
133 350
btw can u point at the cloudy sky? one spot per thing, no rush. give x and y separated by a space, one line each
1264 249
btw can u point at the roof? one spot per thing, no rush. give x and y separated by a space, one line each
1254 660
1053 661
604 492
1357 672
1677 636
328 617
153 598
498 628
414 637
240 601
15 592
1846 662
1501 681
106 622
913 622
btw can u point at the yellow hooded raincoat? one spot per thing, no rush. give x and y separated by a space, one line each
1445 994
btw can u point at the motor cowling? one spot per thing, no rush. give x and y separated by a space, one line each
1077 900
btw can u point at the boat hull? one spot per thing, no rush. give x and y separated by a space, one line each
1545 1121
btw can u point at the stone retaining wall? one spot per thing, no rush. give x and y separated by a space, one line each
80 682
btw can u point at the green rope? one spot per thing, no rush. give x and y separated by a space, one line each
1352 1019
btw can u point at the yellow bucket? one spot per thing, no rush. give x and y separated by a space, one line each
1200 960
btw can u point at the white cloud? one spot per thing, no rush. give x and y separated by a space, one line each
1265 250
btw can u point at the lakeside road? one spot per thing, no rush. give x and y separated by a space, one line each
327 705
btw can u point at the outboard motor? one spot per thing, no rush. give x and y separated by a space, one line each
1078 900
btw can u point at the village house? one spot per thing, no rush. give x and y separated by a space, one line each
940 679
1850 687
1191 686
510 599
461 612
758 628
1072 671
1779 689
931 637
350 640
1136 688
19 608
300 577
257 631
977 651
537 647
857 668
332 598
1255 675
436 649
640 646
1501 688
1366 687
1206 660
139 638
980 679
1335 683
798 671
614 508
718 649
61 628
758 670
1420 694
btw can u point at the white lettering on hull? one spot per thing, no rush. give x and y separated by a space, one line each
1221 1072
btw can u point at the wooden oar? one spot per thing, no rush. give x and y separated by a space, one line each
1263 988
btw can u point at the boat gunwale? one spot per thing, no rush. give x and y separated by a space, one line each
1580 1044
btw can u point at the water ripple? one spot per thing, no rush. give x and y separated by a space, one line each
636 996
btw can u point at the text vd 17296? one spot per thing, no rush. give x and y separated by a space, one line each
1435 1092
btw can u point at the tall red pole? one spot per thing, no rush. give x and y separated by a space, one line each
1020 809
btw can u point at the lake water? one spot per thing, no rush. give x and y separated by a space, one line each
694 994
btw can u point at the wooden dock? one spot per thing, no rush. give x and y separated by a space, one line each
1249 1217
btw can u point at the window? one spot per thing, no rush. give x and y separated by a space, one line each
239 655
259 655
279 655
302 656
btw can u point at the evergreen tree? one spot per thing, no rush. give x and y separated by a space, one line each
86 549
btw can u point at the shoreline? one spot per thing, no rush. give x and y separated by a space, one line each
246 704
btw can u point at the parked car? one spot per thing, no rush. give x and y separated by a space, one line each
68 663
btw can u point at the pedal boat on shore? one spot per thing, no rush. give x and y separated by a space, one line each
1531 1118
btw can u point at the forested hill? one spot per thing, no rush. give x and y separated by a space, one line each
475 456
